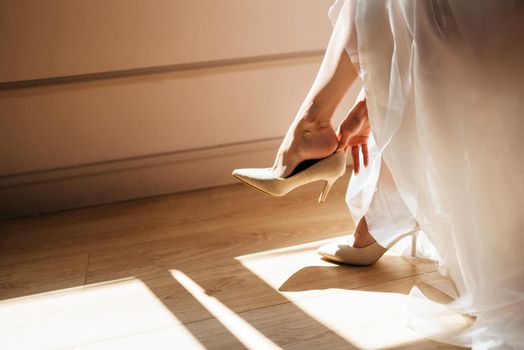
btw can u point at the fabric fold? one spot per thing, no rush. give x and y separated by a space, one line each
444 82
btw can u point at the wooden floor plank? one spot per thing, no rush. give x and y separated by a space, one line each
240 289
217 269
203 251
220 209
370 318
28 274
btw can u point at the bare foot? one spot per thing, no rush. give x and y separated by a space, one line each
304 140
362 236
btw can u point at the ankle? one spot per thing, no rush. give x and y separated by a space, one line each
317 115
310 126
362 236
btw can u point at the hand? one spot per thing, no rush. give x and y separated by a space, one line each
354 133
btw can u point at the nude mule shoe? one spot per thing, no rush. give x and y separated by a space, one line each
368 255
328 169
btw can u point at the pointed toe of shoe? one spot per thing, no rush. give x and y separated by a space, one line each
329 251
260 174
260 178
238 173
346 254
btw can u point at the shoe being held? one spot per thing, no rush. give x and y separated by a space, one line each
328 169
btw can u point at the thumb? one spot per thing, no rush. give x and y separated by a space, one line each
343 139
349 128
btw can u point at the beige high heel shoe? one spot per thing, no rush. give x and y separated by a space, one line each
368 255
328 169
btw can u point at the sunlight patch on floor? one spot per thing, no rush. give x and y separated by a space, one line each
366 318
81 315
239 328
277 266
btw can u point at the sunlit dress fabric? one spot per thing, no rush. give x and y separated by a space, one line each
444 82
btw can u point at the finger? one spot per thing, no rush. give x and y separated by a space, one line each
351 124
362 115
365 154
343 140
356 159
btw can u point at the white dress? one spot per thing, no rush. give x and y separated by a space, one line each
444 83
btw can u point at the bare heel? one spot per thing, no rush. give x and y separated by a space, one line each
325 190
368 255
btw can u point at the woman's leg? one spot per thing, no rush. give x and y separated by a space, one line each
387 216
311 135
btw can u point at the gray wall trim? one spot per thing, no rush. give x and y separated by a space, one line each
71 79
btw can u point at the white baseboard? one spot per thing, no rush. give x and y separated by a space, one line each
119 180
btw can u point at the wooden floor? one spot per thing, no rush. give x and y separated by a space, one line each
224 268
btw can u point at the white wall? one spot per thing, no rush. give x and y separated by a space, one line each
220 82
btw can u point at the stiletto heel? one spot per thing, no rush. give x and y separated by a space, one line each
346 254
328 169
325 190
414 244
